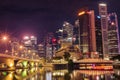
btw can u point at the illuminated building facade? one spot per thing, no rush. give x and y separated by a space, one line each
30 45
49 46
86 31
68 28
67 32
104 26
49 52
113 34
30 41
76 33
65 35
41 50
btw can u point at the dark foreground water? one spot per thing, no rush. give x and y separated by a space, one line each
50 74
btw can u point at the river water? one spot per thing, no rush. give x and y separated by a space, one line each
47 73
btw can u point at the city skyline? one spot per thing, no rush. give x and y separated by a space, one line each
59 40
37 17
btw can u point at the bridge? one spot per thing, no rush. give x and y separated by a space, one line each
9 62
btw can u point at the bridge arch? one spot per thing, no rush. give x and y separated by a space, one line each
8 62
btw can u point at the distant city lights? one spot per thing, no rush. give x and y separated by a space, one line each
32 37
26 37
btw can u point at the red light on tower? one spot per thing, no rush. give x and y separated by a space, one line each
54 41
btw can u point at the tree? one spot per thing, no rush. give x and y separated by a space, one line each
66 56
116 57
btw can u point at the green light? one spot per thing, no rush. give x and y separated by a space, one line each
25 63
4 73
24 73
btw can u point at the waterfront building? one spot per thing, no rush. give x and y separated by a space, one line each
66 41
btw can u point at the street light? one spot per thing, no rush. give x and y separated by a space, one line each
21 47
4 43
26 37
4 38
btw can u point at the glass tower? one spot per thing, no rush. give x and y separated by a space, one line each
86 29
104 26
113 34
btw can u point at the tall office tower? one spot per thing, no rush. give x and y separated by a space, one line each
67 34
48 46
30 41
76 33
87 38
98 35
104 27
113 34
41 50
67 31
30 45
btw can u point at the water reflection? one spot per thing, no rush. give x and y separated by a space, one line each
91 75
50 74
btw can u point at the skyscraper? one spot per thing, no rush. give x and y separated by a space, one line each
87 38
41 50
68 28
67 34
104 27
76 33
98 35
113 34
49 46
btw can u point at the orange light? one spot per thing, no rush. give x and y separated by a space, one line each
5 38
20 46
26 37
11 64
81 13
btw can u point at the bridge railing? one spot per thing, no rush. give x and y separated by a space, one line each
19 57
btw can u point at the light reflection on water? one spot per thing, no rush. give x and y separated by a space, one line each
50 74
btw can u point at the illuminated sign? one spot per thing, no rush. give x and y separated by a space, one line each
81 13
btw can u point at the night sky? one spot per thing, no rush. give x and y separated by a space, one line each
37 17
